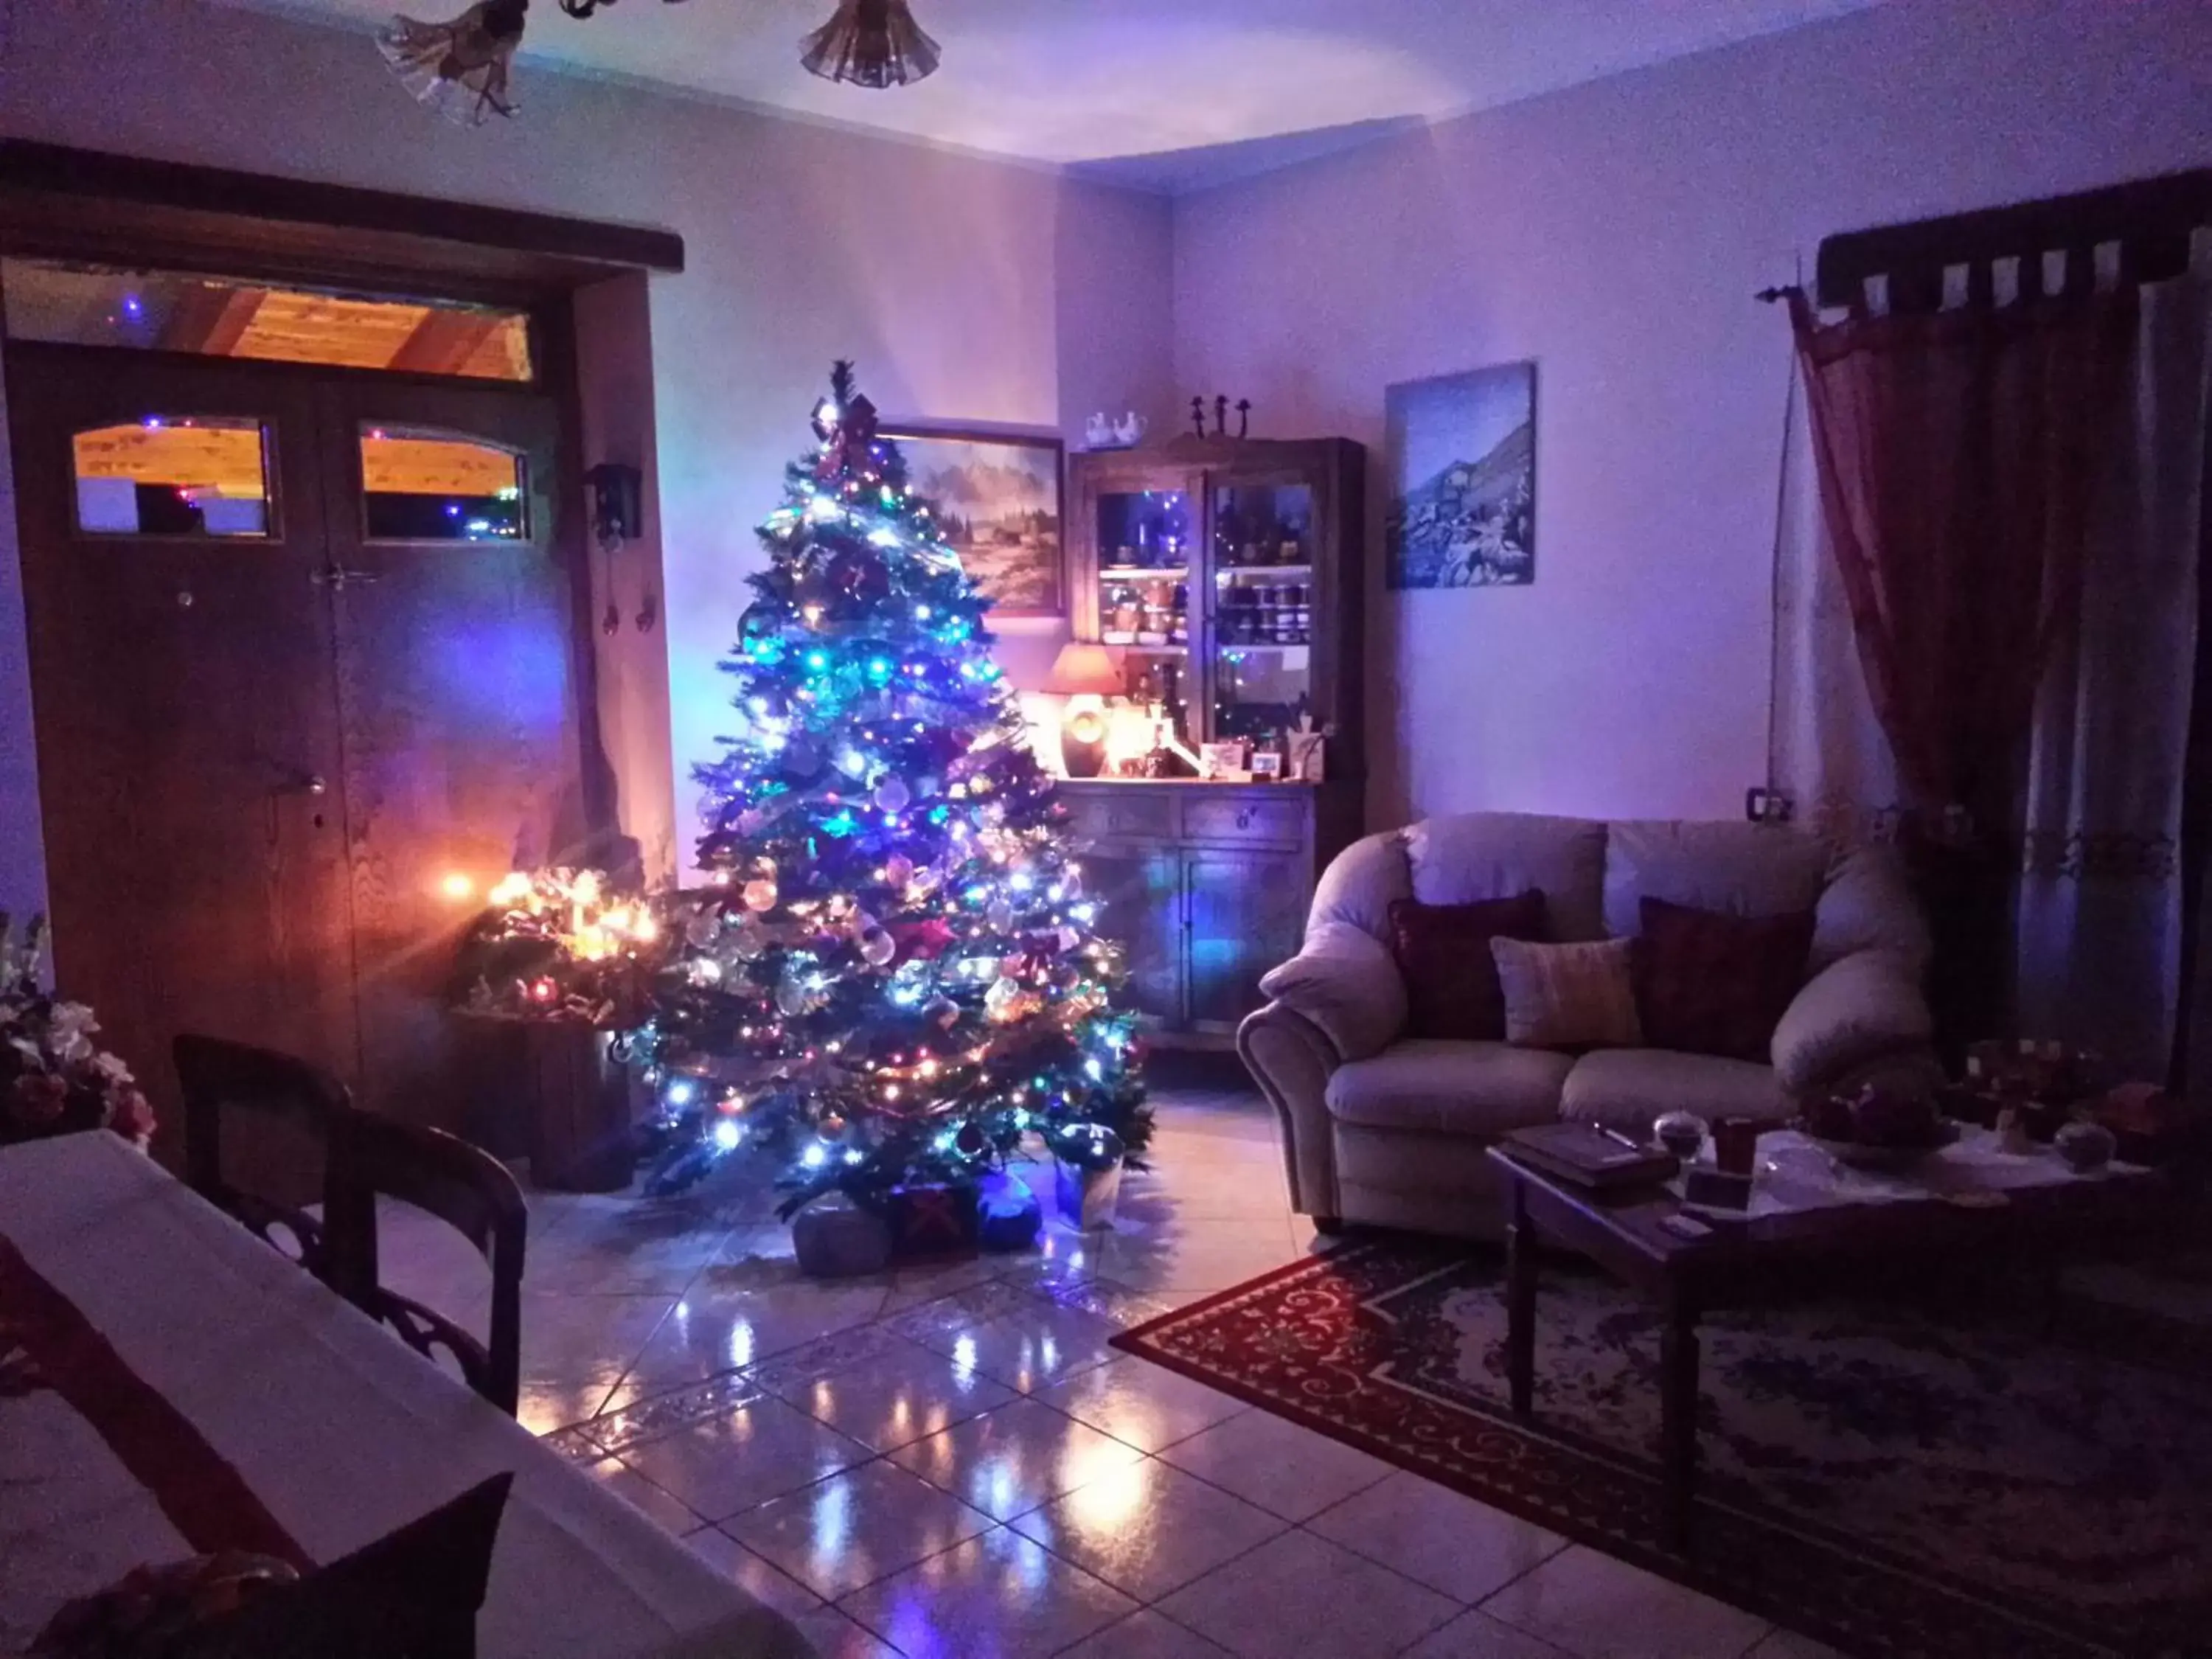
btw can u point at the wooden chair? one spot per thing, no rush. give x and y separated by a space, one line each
216 1077
463 1186
415 1592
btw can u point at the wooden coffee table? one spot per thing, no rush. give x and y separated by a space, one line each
1790 1254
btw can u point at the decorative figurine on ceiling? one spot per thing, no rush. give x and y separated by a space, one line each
460 69
871 43
585 7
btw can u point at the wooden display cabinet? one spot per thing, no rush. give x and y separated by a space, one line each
1227 576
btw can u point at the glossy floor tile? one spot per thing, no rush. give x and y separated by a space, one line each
997 1595
1597 1607
1008 1462
1300 1594
1276 1463
867 1523
1452 1544
948 1461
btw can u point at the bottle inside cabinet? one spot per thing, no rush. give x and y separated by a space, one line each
1262 575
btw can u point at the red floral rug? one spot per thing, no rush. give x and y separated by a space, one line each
1890 1478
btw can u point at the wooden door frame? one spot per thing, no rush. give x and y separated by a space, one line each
66 203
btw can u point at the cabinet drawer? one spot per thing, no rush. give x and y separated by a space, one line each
1251 820
1138 815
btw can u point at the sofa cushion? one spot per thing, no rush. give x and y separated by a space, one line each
1568 996
1744 869
1442 953
1488 855
1625 1089
1710 983
1456 1088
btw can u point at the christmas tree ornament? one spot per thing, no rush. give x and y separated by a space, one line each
891 795
871 43
898 870
459 69
855 575
941 1011
759 894
998 916
878 947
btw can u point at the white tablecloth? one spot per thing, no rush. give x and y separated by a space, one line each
1794 1173
341 1431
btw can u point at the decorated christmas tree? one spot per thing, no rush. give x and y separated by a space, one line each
892 978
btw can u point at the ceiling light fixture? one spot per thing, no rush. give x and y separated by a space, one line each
871 43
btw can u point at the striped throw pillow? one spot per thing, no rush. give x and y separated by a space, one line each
1569 996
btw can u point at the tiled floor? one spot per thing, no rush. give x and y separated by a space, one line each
950 1461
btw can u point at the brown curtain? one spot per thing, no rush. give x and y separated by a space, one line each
1958 454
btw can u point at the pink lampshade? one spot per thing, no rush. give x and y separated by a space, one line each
1085 669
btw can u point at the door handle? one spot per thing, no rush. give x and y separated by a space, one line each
338 577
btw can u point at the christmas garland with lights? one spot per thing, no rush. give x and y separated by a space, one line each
892 978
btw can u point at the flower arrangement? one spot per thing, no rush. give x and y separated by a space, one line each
561 944
54 1079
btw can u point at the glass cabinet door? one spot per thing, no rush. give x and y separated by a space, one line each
1261 560
1147 552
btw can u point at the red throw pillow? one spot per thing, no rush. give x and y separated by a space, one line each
1710 983
1444 953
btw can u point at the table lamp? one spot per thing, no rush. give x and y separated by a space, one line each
1085 674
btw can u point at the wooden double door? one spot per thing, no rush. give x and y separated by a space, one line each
307 681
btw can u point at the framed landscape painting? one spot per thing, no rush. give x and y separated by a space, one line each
998 498
1462 458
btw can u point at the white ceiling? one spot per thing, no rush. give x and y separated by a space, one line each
1091 80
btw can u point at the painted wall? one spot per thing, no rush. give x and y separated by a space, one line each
967 290
1615 233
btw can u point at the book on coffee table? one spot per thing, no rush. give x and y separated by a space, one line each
1589 1156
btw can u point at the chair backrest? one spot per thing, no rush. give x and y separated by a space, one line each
214 1077
415 1592
463 1186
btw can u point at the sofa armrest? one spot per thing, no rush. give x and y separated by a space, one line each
1291 1061
1863 1008
1347 984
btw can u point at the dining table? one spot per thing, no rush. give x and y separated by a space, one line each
171 1386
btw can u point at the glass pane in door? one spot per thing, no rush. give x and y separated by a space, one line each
170 475
206 316
419 484
1144 549
1263 581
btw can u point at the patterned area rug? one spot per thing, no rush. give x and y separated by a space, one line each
1892 1478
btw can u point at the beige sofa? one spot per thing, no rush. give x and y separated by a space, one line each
1378 1127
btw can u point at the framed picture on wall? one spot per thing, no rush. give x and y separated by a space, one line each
1000 500
1462 458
